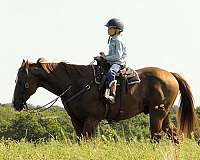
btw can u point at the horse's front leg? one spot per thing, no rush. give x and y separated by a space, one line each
89 128
78 127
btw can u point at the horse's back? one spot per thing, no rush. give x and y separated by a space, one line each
159 74
153 71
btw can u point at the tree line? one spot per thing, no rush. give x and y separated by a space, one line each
54 123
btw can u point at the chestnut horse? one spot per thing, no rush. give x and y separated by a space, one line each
155 95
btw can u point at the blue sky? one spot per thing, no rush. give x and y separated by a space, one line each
157 33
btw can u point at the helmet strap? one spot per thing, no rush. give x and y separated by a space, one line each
109 39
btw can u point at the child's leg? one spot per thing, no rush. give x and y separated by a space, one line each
111 91
112 72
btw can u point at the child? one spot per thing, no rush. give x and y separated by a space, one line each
116 56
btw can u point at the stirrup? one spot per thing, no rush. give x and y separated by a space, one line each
110 99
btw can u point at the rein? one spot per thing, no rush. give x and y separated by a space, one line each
86 88
43 108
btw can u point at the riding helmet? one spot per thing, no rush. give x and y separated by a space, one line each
117 23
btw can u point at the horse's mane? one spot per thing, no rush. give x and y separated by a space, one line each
51 66
47 66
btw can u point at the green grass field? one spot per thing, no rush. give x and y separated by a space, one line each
33 138
99 150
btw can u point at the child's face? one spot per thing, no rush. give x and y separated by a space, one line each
111 31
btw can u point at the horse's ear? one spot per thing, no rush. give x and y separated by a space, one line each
26 64
23 62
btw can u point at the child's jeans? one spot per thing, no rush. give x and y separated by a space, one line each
112 72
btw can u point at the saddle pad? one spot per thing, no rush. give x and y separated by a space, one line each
130 74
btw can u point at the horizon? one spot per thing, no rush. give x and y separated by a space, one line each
162 34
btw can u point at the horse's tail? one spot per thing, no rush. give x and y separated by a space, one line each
187 118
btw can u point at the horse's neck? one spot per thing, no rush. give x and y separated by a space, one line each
78 75
65 75
49 78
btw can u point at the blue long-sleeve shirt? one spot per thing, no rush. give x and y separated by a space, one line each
117 52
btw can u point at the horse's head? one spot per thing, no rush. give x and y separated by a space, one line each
26 85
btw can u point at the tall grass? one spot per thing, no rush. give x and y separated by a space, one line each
127 140
99 149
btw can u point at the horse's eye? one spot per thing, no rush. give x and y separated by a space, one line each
16 79
26 85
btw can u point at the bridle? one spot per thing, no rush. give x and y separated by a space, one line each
25 86
52 102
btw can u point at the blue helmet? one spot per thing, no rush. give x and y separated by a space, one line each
116 23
